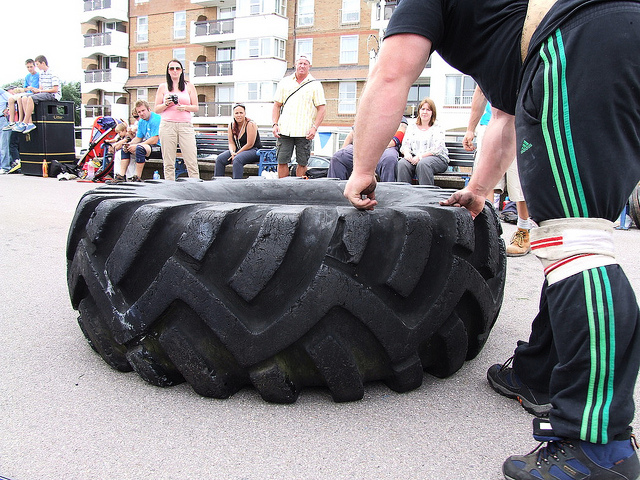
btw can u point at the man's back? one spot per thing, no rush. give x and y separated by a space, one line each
491 29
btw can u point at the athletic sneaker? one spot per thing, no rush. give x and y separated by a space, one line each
117 179
19 127
29 128
504 380
3 171
9 126
573 460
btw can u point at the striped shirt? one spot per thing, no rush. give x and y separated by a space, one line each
300 111
48 80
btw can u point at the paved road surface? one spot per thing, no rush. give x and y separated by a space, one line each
64 414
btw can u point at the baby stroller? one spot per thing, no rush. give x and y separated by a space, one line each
103 129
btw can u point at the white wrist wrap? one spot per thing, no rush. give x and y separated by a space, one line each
567 246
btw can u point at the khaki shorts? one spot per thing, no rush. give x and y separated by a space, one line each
514 190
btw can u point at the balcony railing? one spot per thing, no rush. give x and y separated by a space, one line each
213 69
214 27
97 76
92 5
97 39
215 109
455 100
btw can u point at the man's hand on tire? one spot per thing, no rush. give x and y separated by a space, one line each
360 191
467 199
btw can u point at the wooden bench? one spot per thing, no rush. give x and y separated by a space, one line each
209 145
460 167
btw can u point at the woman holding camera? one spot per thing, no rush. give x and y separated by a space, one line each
175 100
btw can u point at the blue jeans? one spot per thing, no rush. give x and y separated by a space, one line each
243 158
5 157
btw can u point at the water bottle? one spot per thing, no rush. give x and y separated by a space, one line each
91 170
156 175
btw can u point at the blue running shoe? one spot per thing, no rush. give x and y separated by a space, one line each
19 127
569 460
562 459
30 127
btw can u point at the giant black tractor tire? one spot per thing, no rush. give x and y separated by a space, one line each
634 205
281 284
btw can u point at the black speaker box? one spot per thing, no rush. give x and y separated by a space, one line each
53 138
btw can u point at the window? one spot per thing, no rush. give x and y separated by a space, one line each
255 91
350 11
141 1
255 7
142 62
416 94
225 54
142 94
224 101
305 13
347 98
261 48
390 6
349 49
180 54
224 13
142 31
180 24
281 7
224 94
304 46
254 47
459 89
279 48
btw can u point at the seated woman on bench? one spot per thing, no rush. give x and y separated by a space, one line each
244 142
423 148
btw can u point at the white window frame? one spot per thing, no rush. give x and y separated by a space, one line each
459 90
347 52
142 63
180 24
347 95
281 7
255 91
180 54
304 46
141 1
350 11
226 13
256 7
142 29
279 48
254 47
142 94
224 93
305 13
261 47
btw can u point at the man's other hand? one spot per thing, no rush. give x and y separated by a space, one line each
360 191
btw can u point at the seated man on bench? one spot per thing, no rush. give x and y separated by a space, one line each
341 164
146 143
